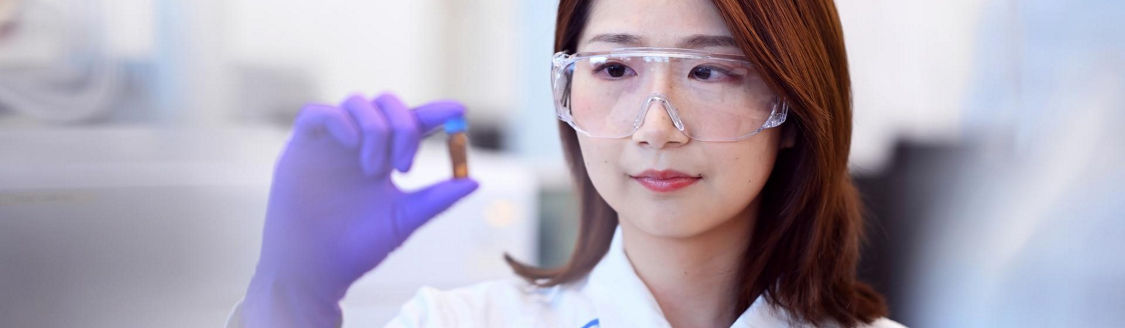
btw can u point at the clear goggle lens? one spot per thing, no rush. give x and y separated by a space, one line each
708 97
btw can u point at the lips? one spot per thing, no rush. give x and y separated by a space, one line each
665 180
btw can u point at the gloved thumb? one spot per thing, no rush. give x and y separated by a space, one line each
422 205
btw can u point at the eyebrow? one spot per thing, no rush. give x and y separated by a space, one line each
624 39
698 41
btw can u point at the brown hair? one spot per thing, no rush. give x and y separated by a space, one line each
805 244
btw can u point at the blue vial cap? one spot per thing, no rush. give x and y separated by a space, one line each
455 125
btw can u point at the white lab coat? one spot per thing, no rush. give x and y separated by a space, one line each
612 295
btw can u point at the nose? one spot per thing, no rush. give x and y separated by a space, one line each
659 127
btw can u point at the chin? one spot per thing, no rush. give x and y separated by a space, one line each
667 225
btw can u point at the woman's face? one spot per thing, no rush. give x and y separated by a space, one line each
728 176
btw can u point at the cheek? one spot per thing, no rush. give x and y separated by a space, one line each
745 164
740 171
601 159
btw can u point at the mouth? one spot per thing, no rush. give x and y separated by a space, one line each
665 180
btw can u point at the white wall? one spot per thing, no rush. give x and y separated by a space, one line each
422 50
911 68
348 46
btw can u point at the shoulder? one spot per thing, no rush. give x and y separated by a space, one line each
504 302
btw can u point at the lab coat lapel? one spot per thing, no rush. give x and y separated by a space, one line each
619 296
762 314
621 299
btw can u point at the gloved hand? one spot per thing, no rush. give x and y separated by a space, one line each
334 212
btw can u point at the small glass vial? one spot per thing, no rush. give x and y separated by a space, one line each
458 145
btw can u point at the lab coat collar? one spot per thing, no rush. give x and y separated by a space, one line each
621 299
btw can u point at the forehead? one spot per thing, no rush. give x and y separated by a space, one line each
654 23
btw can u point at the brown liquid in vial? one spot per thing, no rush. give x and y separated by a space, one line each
458 143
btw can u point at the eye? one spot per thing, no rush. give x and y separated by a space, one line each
713 74
614 70
701 73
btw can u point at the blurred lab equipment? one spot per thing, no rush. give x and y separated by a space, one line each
54 63
142 227
1018 222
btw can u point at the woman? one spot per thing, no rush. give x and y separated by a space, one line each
709 142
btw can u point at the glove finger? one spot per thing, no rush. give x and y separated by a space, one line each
314 119
374 149
405 129
422 205
433 114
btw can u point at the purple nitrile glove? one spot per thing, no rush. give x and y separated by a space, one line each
334 212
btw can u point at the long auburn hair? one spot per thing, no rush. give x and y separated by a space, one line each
805 245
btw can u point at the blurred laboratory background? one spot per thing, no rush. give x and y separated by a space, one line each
137 139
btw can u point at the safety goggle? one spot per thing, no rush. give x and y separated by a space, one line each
709 97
